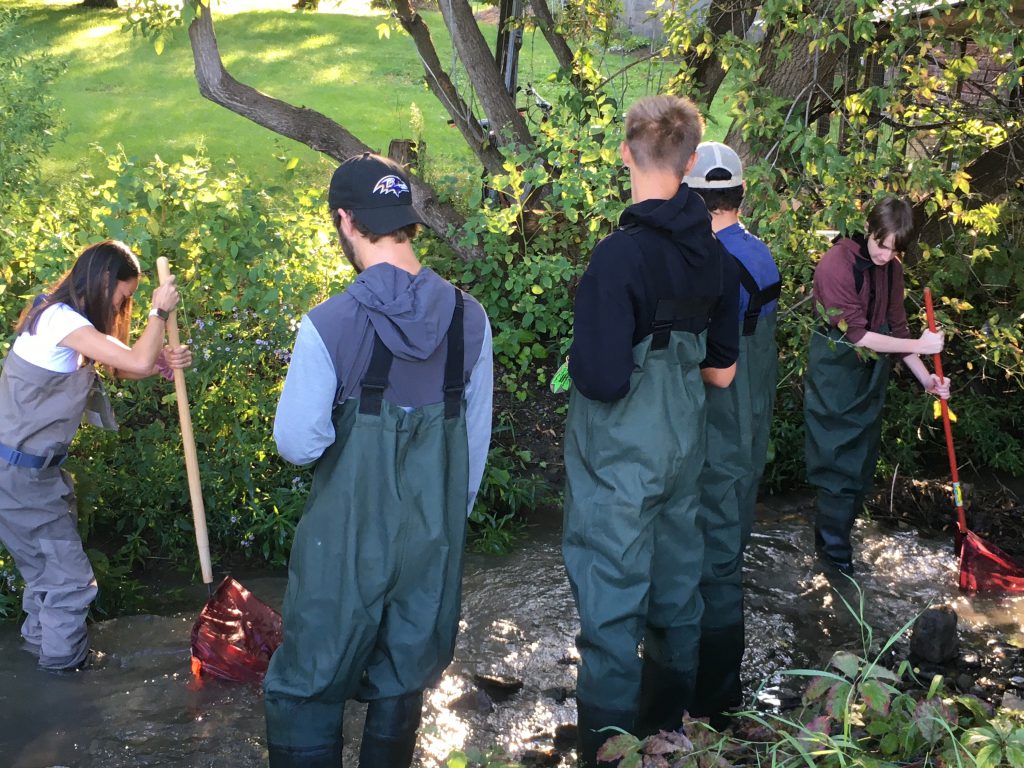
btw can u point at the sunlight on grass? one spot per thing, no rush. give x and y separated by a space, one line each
75 41
317 41
117 91
349 7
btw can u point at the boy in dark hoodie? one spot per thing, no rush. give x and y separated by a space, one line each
859 285
654 321
389 391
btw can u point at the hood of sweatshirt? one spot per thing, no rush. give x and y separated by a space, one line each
410 313
683 217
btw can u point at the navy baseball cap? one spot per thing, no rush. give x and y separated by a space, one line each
376 191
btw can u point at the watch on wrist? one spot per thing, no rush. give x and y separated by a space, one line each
163 314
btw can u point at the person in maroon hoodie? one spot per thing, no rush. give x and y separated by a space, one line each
858 297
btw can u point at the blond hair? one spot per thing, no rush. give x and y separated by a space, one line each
663 132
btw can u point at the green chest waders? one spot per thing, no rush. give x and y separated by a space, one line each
40 412
630 542
738 424
844 394
375 573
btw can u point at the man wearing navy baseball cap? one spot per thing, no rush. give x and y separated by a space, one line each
389 392
375 190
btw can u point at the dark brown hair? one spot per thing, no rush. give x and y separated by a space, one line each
88 288
892 216
401 235
720 198
663 131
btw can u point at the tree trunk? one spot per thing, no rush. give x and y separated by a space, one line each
303 125
994 174
563 53
722 16
796 78
441 86
498 105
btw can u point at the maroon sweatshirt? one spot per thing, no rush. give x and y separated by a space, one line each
835 288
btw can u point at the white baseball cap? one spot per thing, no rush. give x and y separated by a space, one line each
712 156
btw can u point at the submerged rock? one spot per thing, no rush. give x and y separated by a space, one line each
498 687
934 637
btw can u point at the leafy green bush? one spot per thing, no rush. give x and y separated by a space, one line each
248 265
29 118
538 245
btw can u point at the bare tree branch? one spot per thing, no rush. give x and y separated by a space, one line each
498 105
563 53
303 125
441 86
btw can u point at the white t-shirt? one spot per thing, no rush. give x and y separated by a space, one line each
41 348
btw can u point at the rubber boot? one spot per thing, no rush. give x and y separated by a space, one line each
589 722
325 756
719 688
665 694
389 734
832 531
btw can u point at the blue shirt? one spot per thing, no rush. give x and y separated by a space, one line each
755 256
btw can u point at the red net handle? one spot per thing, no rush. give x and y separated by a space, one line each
958 497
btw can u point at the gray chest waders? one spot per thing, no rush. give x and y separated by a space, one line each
738 425
40 412
630 542
374 577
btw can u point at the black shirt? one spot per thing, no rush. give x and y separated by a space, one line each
658 241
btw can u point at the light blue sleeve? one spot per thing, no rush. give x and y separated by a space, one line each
303 428
479 399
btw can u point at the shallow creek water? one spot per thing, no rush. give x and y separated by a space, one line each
141 707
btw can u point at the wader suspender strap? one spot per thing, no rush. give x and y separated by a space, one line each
454 379
375 381
858 283
758 297
670 314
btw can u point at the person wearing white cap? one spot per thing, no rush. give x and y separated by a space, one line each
738 421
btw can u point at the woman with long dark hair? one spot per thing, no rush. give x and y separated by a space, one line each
48 383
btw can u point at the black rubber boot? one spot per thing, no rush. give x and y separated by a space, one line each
719 688
589 722
665 694
832 540
389 734
325 756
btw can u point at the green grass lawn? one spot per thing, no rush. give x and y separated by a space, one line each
117 91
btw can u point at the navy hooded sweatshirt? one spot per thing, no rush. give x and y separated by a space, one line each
618 294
